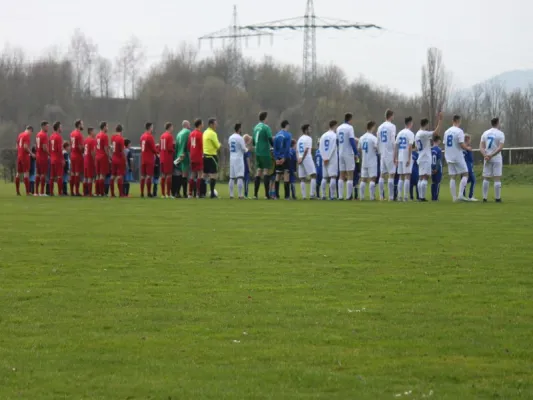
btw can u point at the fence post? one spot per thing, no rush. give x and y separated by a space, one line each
510 156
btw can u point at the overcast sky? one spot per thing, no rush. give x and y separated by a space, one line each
479 38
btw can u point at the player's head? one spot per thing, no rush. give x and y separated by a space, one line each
293 143
424 122
468 139
285 125
78 124
186 124
495 122
389 115
169 127
348 118
212 123
127 143
247 139
457 120
306 129
263 116
333 125
57 127
436 141
119 128
149 126
371 126
198 124
44 126
90 131
237 127
409 122
103 126
29 129
66 145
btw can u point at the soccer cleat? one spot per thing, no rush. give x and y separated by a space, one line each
463 198
499 201
485 201
190 196
473 199
423 200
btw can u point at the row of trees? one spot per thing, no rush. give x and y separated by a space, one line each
83 84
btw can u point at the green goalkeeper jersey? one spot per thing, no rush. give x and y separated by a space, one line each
181 143
262 139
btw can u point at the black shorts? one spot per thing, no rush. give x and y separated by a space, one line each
282 168
210 164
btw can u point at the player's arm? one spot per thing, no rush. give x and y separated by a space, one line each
249 161
483 146
269 136
396 150
306 152
498 150
438 129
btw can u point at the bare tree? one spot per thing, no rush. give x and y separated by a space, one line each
494 98
129 64
104 76
82 54
435 84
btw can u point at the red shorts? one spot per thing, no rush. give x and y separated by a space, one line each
102 166
56 169
88 170
76 166
23 165
42 166
118 168
197 167
167 167
147 169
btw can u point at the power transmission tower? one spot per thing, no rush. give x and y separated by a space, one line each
234 34
309 23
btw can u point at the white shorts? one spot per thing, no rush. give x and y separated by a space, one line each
492 169
347 163
424 168
306 168
331 171
236 169
458 168
387 166
403 169
370 172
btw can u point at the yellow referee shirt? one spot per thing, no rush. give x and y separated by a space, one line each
211 143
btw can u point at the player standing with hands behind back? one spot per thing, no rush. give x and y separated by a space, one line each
76 158
404 158
118 161
166 148
262 141
211 146
237 149
347 155
491 147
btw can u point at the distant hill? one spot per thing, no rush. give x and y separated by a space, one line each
512 80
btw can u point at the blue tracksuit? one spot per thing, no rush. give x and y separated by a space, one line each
469 158
157 174
66 172
128 176
32 175
436 168
414 177
293 166
282 145
318 165
247 156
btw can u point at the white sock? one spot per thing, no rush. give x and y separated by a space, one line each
424 189
381 188
323 188
419 185
400 190
313 187
231 187
349 190
240 187
302 188
486 185
362 190
497 190
372 190
462 185
333 187
341 188
406 187
390 184
453 189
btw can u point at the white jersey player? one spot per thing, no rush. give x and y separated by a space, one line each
306 165
423 139
387 140
454 144
491 145
404 158
330 162
368 147
237 148
347 154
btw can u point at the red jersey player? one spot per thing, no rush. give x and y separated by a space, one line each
42 155
195 146
56 159
76 157
166 145
148 152
89 163
102 158
118 166
23 159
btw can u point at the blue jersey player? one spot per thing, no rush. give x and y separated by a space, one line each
469 158
436 169
32 171
414 177
293 166
318 165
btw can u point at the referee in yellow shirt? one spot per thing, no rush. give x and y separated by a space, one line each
211 146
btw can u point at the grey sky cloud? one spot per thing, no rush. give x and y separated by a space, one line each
478 38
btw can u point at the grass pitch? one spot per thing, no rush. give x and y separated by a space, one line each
162 299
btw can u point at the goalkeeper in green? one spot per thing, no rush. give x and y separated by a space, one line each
262 140
182 161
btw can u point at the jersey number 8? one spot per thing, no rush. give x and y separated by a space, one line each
449 141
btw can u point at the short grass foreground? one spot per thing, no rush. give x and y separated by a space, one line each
202 299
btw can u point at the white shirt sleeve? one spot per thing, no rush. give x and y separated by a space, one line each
243 145
502 137
411 138
461 136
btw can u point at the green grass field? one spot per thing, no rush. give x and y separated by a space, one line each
192 299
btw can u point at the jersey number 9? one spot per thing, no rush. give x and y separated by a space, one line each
326 144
